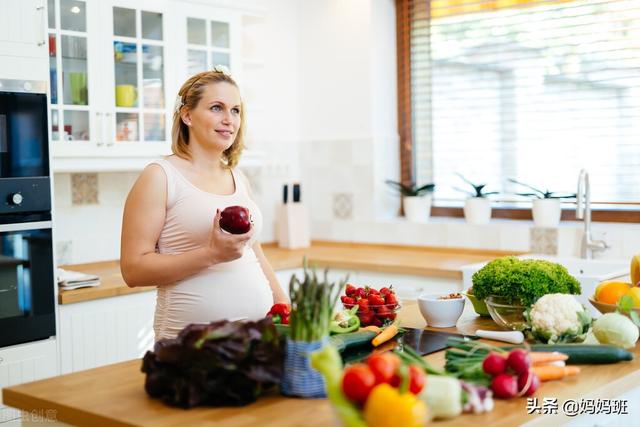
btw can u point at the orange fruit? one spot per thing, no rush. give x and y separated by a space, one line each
611 292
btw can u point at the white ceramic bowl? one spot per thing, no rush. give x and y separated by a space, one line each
440 313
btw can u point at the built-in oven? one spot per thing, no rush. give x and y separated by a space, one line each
27 279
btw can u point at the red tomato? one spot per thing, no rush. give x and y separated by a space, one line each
350 290
376 300
417 379
383 366
357 382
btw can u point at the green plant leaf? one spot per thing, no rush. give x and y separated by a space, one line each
625 304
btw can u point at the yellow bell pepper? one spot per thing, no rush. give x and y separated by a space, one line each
387 407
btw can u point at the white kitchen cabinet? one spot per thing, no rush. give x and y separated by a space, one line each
115 69
22 28
23 40
108 73
105 331
25 363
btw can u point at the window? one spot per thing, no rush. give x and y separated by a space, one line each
528 89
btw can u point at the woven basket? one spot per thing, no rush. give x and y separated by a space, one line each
300 379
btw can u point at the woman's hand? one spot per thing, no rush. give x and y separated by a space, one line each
224 246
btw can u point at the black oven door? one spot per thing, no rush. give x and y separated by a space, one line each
27 283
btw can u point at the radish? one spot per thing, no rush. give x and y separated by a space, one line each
519 360
504 386
494 364
533 386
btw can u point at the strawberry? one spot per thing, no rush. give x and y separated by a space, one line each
391 299
348 302
376 300
350 290
364 306
361 292
385 291
366 319
372 291
383 312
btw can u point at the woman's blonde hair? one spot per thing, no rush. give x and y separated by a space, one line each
188 97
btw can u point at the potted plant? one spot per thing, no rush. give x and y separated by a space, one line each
477 208
546 208
416 200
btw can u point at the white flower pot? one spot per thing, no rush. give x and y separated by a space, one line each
417 208
477 210
546 212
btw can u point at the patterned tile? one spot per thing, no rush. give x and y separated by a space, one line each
343 205
84 188
543 240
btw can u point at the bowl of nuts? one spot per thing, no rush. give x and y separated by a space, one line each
441 311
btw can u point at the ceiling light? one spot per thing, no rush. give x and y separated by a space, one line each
75 9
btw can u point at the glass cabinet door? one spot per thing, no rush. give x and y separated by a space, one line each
208 44
139 71
68 70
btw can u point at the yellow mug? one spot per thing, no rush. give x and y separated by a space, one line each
126 95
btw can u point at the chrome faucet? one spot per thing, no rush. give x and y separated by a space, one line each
583 211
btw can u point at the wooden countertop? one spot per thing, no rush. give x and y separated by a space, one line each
114 395
414 260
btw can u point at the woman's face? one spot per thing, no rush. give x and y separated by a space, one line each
215 121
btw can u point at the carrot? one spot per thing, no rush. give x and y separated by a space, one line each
371 328
388 346
542 357
386 334
549 372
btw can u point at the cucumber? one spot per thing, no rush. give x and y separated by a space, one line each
352 339
340 341
586 354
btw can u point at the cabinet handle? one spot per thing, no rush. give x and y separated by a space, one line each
43 39
109 138
99 128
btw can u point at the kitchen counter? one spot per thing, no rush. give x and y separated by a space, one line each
114 395
414 260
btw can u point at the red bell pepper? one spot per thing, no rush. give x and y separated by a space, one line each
279 313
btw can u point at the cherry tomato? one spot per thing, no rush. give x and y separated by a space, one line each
417 379
357 382
383 366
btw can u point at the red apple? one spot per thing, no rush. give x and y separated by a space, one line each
235 220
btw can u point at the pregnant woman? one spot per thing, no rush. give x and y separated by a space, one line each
171 235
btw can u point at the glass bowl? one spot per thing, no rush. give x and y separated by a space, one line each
505 314
479 306
376 315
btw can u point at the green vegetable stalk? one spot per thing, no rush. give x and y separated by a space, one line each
523 280
312 302
327 361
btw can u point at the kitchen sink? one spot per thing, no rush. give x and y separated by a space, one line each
588 272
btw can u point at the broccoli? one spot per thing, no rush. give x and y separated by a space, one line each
525 280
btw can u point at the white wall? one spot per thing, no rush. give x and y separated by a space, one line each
329 119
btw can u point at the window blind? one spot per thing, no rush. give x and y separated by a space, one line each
527 89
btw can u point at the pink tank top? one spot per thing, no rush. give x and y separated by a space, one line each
236 289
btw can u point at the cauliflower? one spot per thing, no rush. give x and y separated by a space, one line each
558 318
